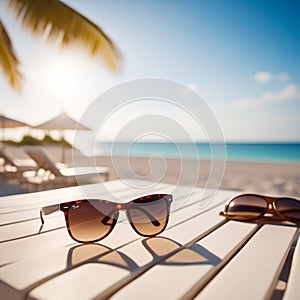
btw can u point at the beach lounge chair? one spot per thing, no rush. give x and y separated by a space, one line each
62 177
13 168
13 163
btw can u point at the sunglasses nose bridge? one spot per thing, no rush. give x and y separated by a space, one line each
122 206
271 210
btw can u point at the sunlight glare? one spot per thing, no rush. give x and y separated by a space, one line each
64 74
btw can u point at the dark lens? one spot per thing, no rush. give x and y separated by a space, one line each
246 207
150 216
289 208
91 221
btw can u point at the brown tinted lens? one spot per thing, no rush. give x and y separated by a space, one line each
90 222
149 218
246 207
289 208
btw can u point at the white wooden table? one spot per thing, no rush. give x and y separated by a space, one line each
200 254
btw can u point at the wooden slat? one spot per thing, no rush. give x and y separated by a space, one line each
30 228
31 246
135 257
12 203
185 268
71 286
292 291
19 217
252 273
112 190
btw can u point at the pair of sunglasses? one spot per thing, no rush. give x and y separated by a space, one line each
249 207
92 220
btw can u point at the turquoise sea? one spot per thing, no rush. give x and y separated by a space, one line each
260 152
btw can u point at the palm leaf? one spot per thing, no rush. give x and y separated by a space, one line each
8 59
60 21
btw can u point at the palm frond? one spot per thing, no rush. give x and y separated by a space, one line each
8 59
59 20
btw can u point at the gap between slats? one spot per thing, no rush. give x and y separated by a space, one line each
228 273
288 282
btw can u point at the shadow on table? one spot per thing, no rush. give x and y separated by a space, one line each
161 249
158 247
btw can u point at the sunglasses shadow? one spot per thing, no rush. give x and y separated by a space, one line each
97 253
163 250
158 247
272 220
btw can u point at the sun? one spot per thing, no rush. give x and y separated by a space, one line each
64 75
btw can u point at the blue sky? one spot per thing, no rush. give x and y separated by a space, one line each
241 56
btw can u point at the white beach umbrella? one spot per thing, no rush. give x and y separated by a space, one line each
61 123
6 122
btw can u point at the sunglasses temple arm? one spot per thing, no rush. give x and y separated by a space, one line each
107 217
47 210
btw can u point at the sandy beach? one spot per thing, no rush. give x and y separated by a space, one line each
256 177
267 178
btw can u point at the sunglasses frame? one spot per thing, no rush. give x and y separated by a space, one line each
64 207
270 200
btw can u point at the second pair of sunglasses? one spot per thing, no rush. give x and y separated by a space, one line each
249 207
92 220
